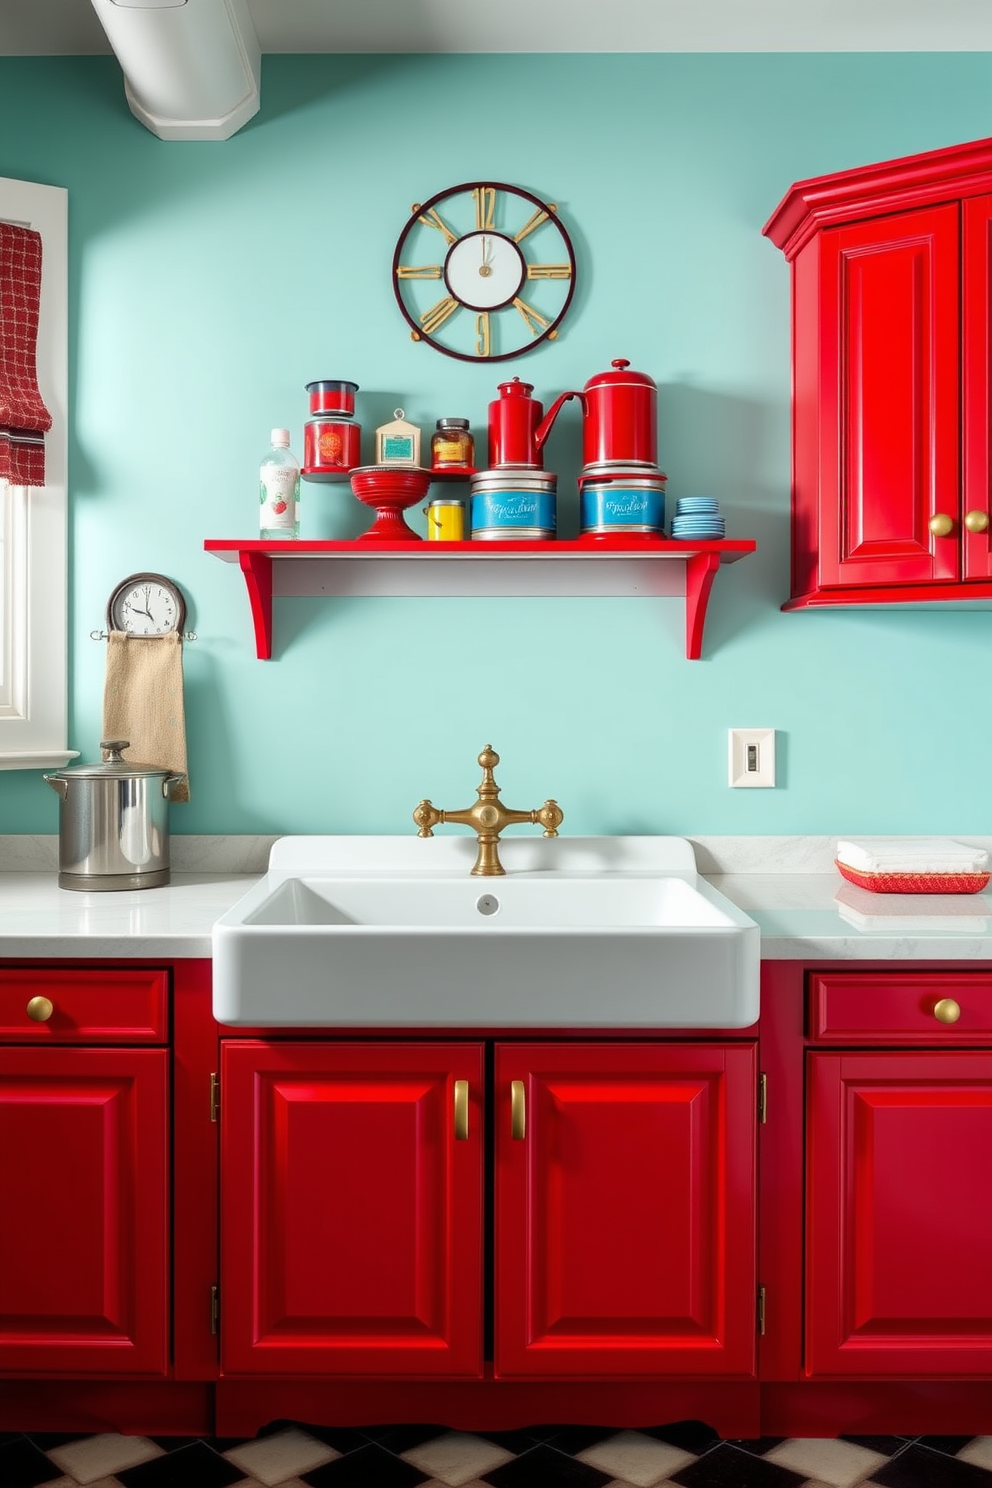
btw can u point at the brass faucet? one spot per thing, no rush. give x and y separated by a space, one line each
488 817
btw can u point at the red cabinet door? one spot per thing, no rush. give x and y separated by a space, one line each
84 1221
977 393
888 389
351 1208
899 1214
625 1224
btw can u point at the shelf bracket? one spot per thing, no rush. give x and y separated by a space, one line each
699 573
257 569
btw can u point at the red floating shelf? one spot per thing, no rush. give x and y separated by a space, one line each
575 568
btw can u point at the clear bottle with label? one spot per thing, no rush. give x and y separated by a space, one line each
279 490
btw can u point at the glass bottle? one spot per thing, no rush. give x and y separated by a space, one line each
452 447
279 490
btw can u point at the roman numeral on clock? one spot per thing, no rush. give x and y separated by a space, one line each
438 314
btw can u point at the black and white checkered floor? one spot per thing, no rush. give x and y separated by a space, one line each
289 1455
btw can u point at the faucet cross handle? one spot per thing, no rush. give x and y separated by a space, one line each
550 816
427 817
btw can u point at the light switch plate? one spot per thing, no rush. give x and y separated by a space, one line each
752 757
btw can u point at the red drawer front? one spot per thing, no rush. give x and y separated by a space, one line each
891 1007
89 1006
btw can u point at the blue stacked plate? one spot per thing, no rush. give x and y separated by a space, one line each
698 518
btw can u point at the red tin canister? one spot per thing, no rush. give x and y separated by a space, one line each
620 419
331 395
331 447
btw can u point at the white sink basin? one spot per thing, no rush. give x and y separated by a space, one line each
358 932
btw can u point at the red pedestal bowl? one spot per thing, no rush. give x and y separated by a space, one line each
390 489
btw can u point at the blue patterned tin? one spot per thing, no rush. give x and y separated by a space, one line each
513 504
628 505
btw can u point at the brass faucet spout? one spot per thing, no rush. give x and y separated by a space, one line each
487 817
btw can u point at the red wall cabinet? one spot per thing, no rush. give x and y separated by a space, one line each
351 1208
898 1223
892 380
84 1183
625 1217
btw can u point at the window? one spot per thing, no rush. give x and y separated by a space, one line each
33 520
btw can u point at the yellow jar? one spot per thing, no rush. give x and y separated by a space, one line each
445 520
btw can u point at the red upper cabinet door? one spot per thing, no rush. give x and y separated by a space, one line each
899 1214
351 1206
625 1225
977 321
888 390
84 1211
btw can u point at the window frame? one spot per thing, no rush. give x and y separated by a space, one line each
34 711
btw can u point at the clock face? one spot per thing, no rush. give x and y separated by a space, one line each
146 605
484 272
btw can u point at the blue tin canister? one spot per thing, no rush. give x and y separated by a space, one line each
628 505
513 504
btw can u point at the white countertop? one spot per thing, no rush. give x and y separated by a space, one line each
37 918
802 916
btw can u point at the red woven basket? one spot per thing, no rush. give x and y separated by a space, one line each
915 883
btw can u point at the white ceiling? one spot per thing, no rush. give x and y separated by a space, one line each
70 27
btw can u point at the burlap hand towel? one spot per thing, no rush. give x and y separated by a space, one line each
143 701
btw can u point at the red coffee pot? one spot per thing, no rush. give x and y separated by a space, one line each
517 430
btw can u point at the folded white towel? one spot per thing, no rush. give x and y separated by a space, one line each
912 855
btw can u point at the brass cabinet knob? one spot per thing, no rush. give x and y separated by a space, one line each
461 1110
976 521
40 1009
941 525
947 1010
518 1111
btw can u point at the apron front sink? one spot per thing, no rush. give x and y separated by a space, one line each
358 932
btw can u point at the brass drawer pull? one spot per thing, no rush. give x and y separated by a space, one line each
947 1010
941 525
40 1009
518 1111
977 521
461 1110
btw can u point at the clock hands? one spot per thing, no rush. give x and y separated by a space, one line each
485 268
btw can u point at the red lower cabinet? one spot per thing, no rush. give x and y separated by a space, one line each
84 1242
625 1217
899 1214
351 1208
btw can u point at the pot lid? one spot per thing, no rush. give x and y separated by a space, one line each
115 766
621 373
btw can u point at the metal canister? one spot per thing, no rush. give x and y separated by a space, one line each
331 447
332 395
633 504
508 504
445 519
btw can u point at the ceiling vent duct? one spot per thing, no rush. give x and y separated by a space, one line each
191 67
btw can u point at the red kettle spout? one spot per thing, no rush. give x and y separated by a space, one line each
544 427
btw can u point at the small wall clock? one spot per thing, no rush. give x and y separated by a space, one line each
146 604
484 271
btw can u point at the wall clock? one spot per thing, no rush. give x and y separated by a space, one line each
146 604
484 271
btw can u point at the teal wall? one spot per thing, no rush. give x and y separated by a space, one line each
210 281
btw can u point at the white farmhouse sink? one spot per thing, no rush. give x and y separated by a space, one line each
360 932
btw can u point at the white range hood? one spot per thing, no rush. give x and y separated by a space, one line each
191 67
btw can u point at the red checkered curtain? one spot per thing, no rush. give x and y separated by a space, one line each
23 415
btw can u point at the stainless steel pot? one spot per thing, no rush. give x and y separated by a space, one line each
114 822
